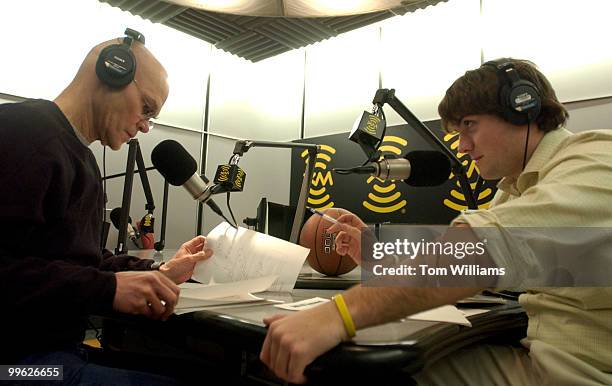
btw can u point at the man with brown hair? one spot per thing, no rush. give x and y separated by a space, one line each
52 270
509 122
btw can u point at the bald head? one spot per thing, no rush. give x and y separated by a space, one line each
114 115
150 71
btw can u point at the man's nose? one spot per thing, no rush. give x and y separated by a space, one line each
465 144
143 126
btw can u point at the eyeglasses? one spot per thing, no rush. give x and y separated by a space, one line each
148 112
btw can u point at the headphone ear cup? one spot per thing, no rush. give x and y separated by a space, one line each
521 102
510 114
116 66
525 100
519 98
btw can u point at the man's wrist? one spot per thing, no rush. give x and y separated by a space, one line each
345 315
157 265
329 312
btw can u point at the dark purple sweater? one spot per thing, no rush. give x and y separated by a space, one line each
52 271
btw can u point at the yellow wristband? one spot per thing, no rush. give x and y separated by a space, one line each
349 325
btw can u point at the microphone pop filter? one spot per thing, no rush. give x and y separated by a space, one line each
173 162
428 168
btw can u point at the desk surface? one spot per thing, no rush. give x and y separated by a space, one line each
402 346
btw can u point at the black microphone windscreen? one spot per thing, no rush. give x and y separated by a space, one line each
428 168
173 162
115 217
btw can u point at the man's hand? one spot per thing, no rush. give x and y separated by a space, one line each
348 239
145 293
181 266
294 341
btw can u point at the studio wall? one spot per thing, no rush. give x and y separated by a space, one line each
216 98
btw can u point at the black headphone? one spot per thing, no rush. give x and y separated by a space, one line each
520 98
116 65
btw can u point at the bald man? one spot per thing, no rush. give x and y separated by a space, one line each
52 271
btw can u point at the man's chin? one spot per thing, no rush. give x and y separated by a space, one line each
485 174
115 146
490 176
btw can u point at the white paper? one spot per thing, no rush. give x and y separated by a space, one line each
245 254
181 311
189 303
302 304
473 311
448 313
198 295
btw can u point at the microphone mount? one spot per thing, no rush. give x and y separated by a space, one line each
242 147
387 96
134 158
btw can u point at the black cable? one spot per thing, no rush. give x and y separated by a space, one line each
344 172
228 221
358 169
230 210
104 179
384 119
526 145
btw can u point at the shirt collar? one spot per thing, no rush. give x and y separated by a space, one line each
81 137
542 154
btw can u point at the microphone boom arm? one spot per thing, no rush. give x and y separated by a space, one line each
242 147
146 187
383 96
127 198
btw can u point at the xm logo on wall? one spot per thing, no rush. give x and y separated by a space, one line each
384 196
456 199
376 200
322 178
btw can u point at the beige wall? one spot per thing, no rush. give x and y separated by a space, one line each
330 82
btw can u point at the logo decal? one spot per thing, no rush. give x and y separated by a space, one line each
385 198
456 199
321 178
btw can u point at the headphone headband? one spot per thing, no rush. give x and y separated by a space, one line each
131 35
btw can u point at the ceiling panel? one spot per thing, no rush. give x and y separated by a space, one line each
256 37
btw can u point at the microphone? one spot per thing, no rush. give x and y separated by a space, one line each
417 168
230 178
179 168
133 234
368 131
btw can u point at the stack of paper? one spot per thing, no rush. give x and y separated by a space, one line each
244 262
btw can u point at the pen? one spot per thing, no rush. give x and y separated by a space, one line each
325 216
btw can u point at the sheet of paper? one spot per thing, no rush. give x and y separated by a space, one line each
302 304
449 314
198 295
473 311
245 254
189 303
255 301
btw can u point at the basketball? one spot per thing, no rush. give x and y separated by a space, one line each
323 257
